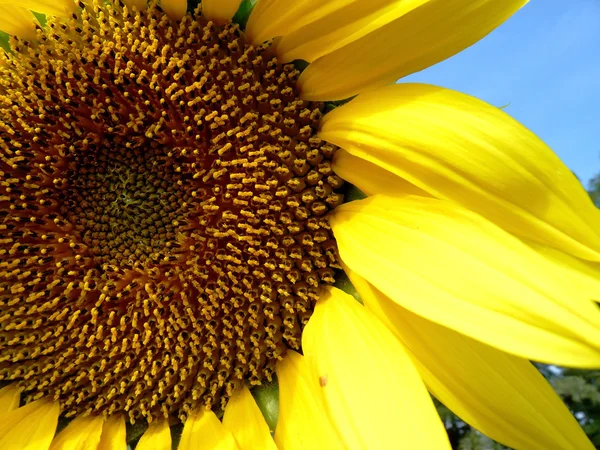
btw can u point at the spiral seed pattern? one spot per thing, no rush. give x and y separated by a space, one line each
163 212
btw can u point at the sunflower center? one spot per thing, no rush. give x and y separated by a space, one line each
163 213
126 204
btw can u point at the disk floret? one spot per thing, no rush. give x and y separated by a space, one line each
163 212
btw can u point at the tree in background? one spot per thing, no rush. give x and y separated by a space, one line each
580 390
594 189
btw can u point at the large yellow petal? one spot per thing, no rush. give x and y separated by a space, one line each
204 431
303 423
416 40
17 21
372 390
245 421
501 395
83 433
334 28
156 437
113 435
51 7
453 267
30 427
220 11
370 178
460 148
9 398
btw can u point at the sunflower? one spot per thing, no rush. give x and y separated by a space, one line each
174 232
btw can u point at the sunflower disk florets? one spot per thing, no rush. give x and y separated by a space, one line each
163 212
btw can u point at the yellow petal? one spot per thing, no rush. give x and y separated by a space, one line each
51 7
204 431
83 433
30 427
501 395
220 11
271 18
416 40
175 9
462 149
333 29
583 274
453 267
370 178
245 421
140 5
9 398
17 21
303 423
156 437
113 434
372 391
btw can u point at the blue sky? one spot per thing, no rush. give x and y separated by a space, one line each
545 62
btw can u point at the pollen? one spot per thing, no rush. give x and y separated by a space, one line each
164 205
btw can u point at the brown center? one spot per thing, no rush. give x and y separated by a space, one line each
163 213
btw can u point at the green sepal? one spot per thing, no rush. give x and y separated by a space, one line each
4 38
352 193
267 399
343 283
243 13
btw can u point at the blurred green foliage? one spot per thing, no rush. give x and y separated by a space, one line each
594 189
580 389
